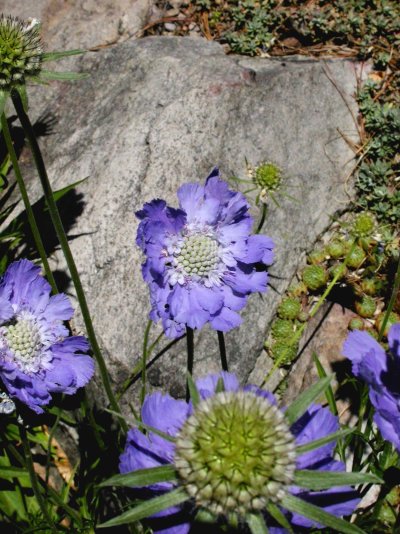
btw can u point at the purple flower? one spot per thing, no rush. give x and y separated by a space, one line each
169 415
381 371
201 261
37 355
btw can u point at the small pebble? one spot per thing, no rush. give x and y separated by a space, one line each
170 26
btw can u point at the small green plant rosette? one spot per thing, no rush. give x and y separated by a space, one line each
316 256
336 249
21 51
282 329
393 319
289 308
356 258
314 277
366 306
363 225
356 324
284 352
338 268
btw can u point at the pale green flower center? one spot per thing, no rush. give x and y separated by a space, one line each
24 340
235 454
198 255
267 176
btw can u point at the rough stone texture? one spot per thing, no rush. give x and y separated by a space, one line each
158 112
83 23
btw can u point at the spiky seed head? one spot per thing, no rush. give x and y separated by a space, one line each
267 176
20 51
235 454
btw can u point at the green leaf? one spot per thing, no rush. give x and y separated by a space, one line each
57 195
142 477
275 512
318 480
256 524
298 506
330 397
303 401
323 441
194 394
220 387
47 75
13 472
53 56
148 508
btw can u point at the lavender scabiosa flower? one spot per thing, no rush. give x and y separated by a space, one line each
234 453
381 371
37 355
201 259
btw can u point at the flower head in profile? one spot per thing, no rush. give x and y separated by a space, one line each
381 371
201 259
37 355
20 51
235 454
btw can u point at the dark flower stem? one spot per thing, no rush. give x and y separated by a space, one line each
190 355
262 219
62 238
33 478
27 204
222 350
144 361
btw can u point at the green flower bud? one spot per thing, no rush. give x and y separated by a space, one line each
235 454
355 259
366 306
284 352
335 249
267 176
363 225
282 329
289 308
314 277
356 324
20 51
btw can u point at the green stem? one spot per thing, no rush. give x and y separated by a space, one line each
222 350
33 478
396 288
190 356
29 211
262 219
62 238
144 361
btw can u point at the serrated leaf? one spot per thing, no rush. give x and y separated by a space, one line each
298 506
256 524
323 441
47 75
142 477
194 394
148 508
318 480
54 56
303 401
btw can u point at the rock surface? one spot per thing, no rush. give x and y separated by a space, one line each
161 111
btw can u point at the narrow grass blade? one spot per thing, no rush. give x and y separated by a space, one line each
318 480
142 477
194 394
323 441
148 508
330 397
303 401
275 512
53 56
47 75
298 506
